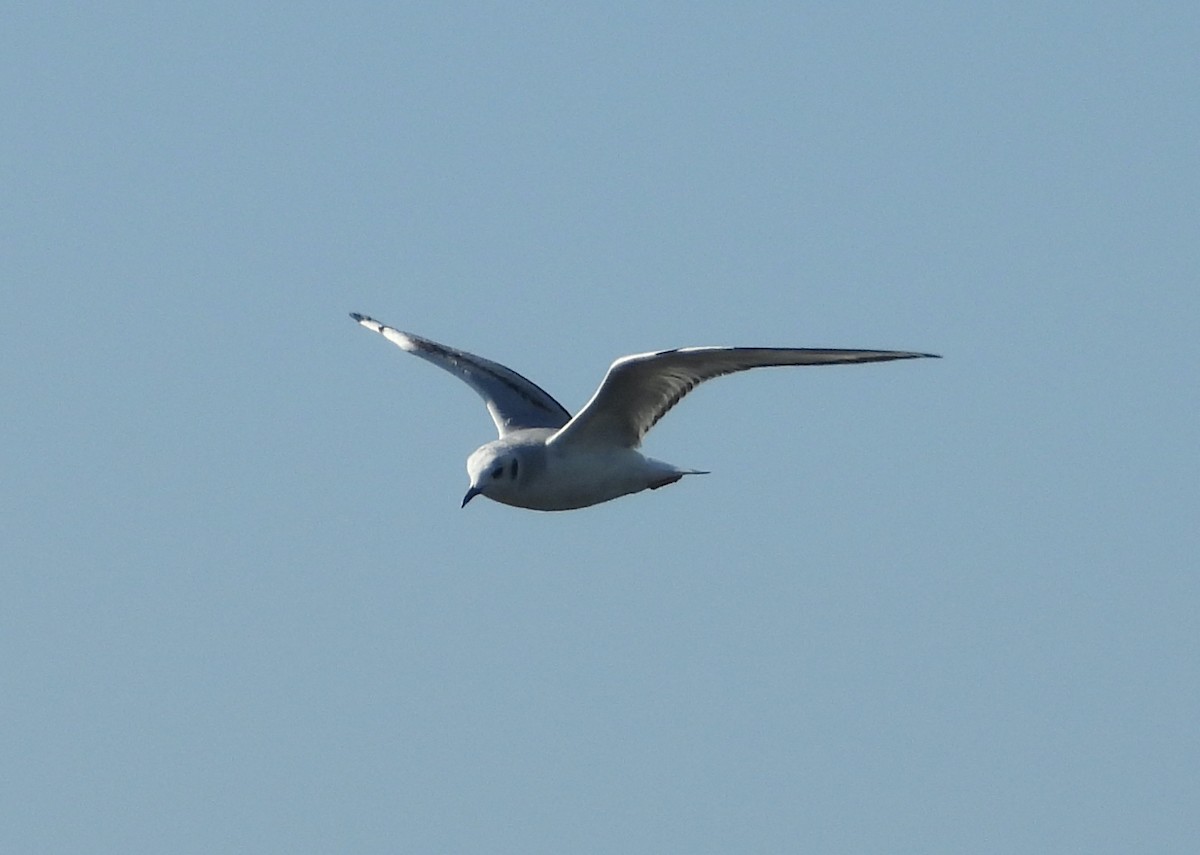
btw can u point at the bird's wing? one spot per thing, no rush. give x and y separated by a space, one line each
638 390
513 401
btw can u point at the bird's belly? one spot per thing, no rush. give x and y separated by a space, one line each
578 480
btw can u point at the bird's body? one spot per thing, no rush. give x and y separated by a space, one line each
548 461
549 477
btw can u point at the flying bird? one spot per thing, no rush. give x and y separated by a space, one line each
545 459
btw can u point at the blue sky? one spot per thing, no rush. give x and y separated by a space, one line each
925 607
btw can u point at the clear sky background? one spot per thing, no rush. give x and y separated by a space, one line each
939 606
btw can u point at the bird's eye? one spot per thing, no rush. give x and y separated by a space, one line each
497 472
512 473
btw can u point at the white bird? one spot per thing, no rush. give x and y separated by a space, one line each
547 460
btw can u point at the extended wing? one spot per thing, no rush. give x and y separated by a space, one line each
513 401
638 390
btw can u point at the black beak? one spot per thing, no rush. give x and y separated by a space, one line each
471 494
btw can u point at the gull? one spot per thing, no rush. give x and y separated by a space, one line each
545 459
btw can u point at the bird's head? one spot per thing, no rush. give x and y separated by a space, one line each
495 471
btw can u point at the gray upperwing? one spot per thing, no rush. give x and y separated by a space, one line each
638 390
513 401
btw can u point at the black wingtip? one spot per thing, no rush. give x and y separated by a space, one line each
357 317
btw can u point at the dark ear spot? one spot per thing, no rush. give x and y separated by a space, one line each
512 470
